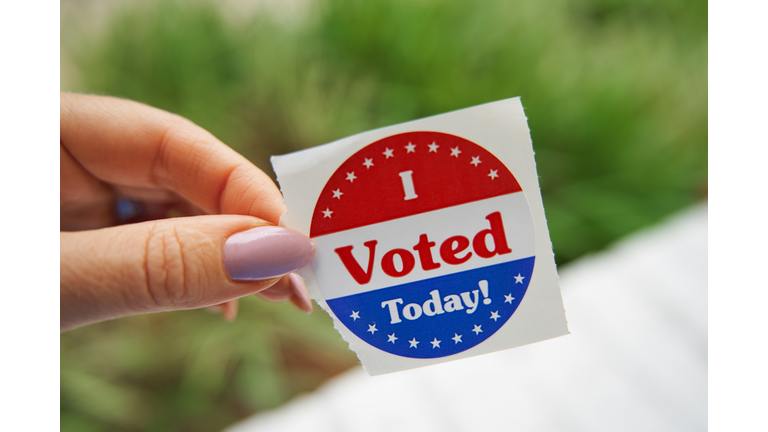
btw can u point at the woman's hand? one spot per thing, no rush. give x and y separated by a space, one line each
121 162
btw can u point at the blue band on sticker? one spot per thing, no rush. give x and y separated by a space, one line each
440 316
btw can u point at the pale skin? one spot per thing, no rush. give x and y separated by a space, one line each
113 148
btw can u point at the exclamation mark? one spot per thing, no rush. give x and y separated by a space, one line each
484 289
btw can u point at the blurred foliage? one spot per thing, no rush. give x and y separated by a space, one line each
615 92
191 371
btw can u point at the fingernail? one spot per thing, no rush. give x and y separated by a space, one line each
266 252
300 297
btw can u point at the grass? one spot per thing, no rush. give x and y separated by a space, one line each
615 93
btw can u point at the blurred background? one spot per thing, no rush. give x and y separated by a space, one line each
616 97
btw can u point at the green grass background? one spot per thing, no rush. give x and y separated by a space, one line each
616 97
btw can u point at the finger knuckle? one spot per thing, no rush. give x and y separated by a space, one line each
175 270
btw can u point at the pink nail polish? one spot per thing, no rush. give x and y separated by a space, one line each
266 252
300 296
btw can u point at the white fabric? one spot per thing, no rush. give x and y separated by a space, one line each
636 359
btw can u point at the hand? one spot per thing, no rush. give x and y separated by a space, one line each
154 164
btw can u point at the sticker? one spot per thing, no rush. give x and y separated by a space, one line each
413 247
427 247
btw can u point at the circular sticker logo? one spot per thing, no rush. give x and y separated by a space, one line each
425 244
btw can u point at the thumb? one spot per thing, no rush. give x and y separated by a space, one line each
171 264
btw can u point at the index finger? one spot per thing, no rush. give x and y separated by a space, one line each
131 144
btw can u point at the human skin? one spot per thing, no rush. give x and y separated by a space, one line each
114 148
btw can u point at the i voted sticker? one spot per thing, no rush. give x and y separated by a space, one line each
425 244
431 239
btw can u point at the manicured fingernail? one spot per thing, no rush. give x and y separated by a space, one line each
300 297
266 252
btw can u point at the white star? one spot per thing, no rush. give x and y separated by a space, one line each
388 153
411 148
433 147
519 278
368 163
338 193
493 174
475 160
477 329
455 151
327 213
413 343
392 338
495 316
435 343
508 298
456 338
355 315
351 177
372 328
